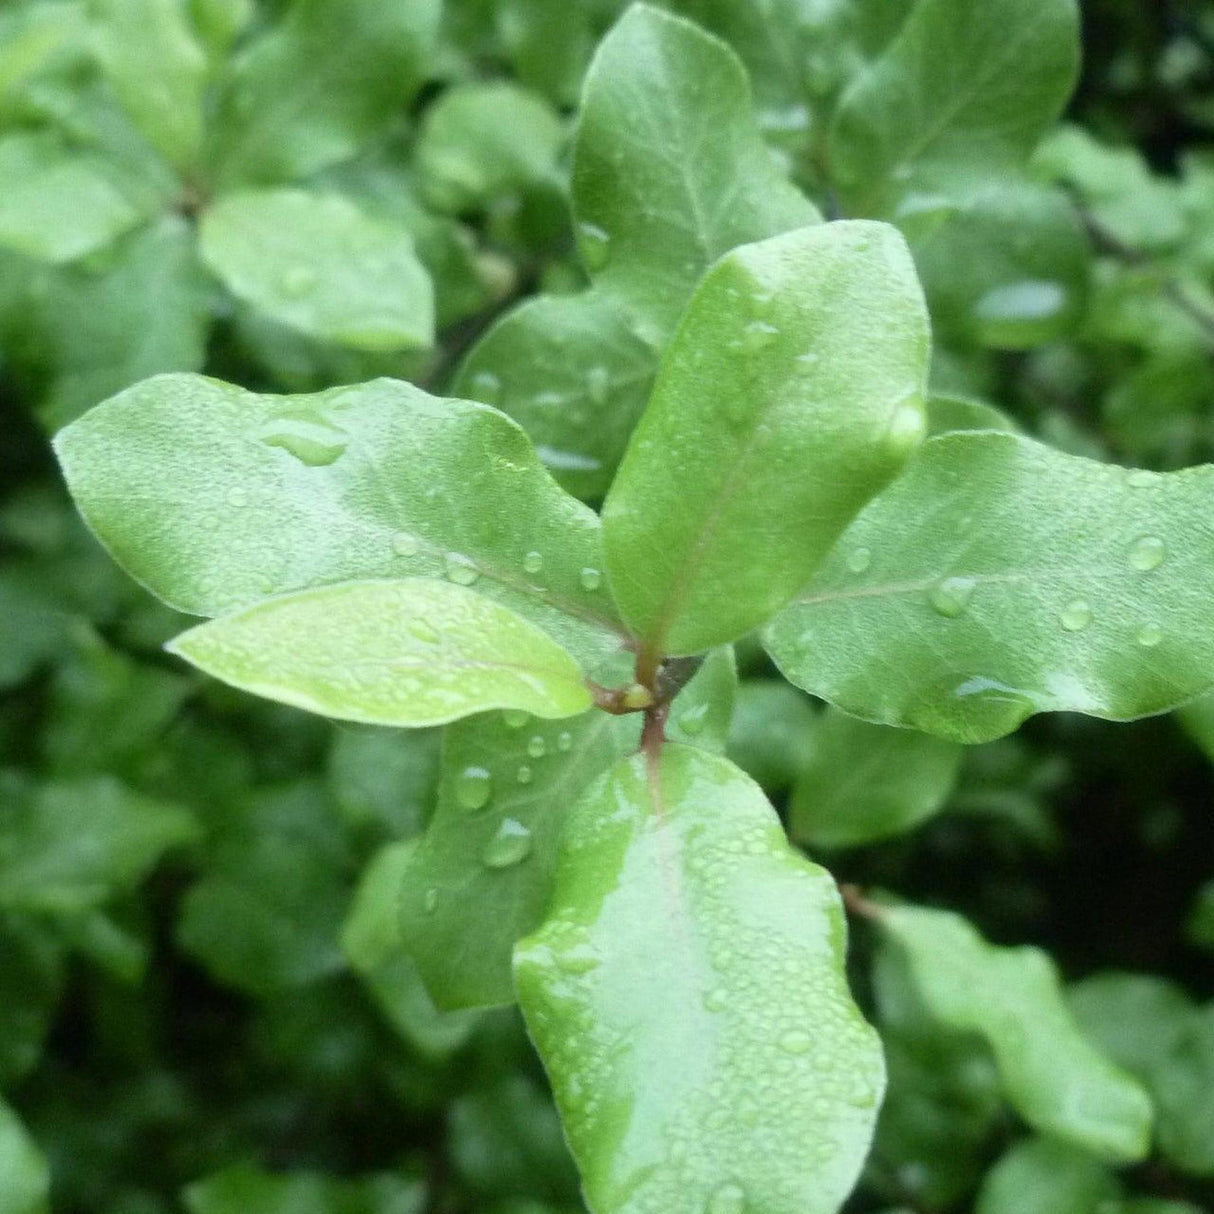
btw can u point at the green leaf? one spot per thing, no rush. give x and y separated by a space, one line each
372 940
1182 1082
216 498
34 36
998 578
1011 997
688 998
407 653
384 780
866 782
481 876
316 263
775 373
701 713
1043 1177
31 983
962 95
669 173
479 142
1008 270
24 1177
59 204
72 845
947 412
242 1189
265 916
773 732
33 627
157 67
313 89
82 333
1199 927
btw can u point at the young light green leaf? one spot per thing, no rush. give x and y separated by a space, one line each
25 1181
701 713
688 998
1004 578
1040 1176
154 62
312 89
481 876
316 263
407 652
669 173
961 95
32 37
776 368
59 203
865 782
216 498
480 142
1053 1076
1182 1082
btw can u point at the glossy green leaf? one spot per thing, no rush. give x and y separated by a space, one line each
24 1177
773 732
777 370
482 141
82 333
998 578
58 203
316 263
315 87
242 1189
157 67
688 998
372 940
866 782
481 876
215 498
669 173
961 95
1055 1079
406 653
701 713
1044 1177
72 845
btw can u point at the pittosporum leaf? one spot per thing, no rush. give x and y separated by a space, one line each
688 998
316 263
1041 1176
777 366
669 173
215 498
998 578
1052 1075
406 652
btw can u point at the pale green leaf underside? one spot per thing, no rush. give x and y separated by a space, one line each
215 498
864 782
316 263
961 94
410 652
998 578
799 367
1052 1075
688 998
669 173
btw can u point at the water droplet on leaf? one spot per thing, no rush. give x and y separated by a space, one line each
564 741
1076 615
510 845
310 440
594 244
1149 635
473 787
728 1199
460 570
859 559
598 382
515 718
1148 553
486 387
758 336
524 774
403 544
591 578
691 721
952 596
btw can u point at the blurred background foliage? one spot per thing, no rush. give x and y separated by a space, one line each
194 1014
